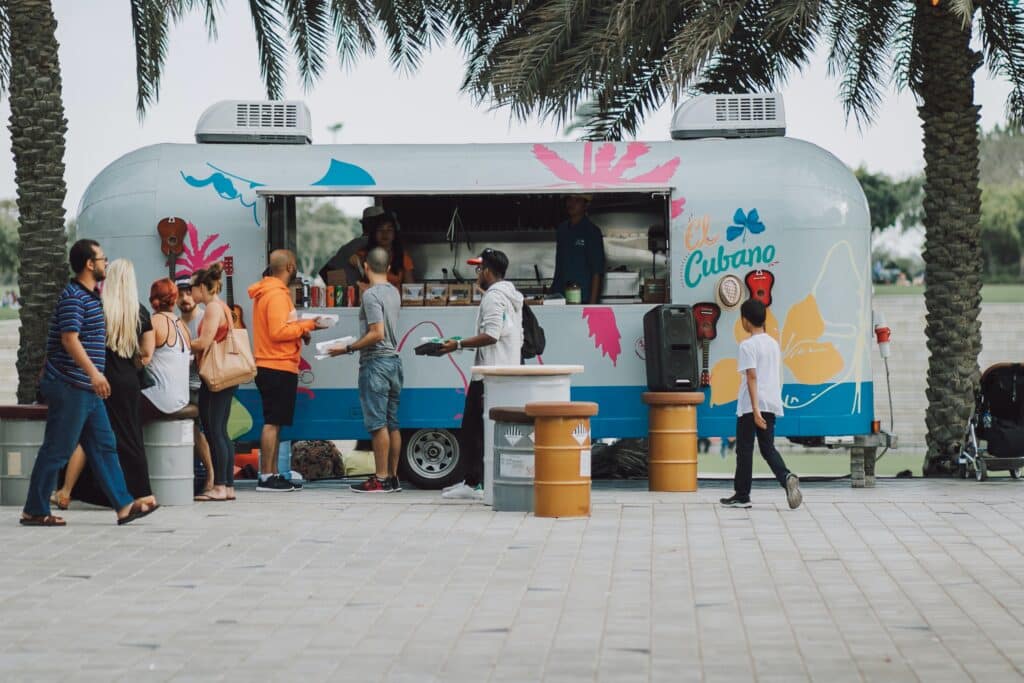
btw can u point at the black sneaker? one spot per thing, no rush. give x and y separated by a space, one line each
734 501
395 484
276 484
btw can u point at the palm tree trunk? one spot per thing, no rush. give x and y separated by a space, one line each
37 128
952 211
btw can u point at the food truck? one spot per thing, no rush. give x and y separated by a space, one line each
727 208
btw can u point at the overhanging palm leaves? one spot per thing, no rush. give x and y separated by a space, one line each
621 59
301 27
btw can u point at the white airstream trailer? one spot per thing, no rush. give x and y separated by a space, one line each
748 212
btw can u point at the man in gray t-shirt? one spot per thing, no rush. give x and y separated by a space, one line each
380 372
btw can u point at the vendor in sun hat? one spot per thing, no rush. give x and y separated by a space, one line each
341 260
579 251
382 231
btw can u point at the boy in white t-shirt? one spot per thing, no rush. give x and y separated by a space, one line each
759 403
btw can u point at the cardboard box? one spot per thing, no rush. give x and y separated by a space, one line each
436 295
337 277
412 293
460 295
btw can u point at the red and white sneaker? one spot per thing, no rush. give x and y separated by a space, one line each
371 485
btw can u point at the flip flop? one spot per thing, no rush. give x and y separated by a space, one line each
207 498
43 520
136 513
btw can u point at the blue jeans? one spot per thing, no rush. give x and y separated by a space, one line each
74 416
380 386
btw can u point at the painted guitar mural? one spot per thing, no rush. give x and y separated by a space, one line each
706 315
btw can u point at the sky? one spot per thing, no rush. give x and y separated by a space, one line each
376 104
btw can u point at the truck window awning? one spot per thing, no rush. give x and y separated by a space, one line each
380 191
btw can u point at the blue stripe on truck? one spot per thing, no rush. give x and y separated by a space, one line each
335 413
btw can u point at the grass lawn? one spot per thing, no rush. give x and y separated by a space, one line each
991 294
8 314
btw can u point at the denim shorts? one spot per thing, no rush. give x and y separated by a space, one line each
380 386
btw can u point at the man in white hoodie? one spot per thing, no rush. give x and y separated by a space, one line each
498 341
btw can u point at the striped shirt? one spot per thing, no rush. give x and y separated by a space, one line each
78 310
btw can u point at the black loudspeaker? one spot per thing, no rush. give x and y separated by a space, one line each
670 345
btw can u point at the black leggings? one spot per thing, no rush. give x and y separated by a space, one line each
214 408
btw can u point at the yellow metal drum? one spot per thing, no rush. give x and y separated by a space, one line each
561 486
673 440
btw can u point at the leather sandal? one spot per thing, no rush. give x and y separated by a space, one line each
43 520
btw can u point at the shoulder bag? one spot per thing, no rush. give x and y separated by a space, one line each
228 363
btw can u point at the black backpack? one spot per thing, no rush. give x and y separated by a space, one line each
533 334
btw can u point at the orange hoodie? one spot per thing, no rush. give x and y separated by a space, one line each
277 335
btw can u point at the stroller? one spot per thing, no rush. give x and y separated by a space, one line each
997 419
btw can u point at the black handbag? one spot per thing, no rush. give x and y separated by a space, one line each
146 378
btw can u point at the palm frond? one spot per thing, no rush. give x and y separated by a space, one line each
5 48
700 38
310 29
1002 34
411 27
908 58
963 9
615 113
150 24
861 54
266 23
762 49
353 29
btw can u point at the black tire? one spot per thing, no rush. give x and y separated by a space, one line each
430 458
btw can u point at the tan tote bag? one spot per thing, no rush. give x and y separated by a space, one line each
228 363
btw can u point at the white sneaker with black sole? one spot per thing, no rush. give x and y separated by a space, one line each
275 483
735 501
793 495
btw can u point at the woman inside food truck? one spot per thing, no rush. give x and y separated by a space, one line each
382 231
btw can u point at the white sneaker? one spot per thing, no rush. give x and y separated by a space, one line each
446 489
463 492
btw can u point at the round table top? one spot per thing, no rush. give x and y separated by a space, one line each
561 409
526 370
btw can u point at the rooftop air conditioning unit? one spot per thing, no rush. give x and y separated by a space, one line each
730 116
260 122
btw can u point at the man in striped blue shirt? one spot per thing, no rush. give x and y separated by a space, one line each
74 388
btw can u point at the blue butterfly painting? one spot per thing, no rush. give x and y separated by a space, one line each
742 223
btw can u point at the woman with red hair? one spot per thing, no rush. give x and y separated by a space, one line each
170 363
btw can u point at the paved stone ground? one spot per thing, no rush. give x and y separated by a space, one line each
914 580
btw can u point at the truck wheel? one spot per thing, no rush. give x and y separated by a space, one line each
430 458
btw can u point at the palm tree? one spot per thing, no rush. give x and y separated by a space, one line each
611 62
30 73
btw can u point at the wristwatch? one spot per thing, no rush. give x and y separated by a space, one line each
458 344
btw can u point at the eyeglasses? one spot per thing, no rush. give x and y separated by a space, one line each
99 258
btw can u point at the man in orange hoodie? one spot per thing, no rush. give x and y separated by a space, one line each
277 344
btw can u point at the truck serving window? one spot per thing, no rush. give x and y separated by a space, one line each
439 232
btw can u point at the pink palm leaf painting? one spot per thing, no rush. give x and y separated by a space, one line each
198 255
600 168
604 330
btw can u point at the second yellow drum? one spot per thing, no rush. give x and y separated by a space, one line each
561 482
672 464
